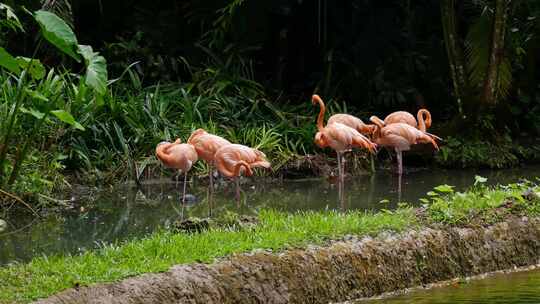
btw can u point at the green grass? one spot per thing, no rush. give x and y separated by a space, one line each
46 275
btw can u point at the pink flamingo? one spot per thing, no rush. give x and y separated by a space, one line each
400 136
233 160
206 145
346 119
178 156
423 115
339 137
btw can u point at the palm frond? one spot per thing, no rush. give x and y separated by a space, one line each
477 52
477 47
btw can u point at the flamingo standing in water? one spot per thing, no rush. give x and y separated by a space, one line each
178 156
346 119
423 115
400 136
231 160
206 145
339 137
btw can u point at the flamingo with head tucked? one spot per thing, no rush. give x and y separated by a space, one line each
178 156
423 116
234 159
400 136
339 137
206 145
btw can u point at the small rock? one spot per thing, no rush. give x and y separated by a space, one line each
3 225
246 221
529 194
191 199
192 225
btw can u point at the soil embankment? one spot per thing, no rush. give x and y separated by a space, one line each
343 270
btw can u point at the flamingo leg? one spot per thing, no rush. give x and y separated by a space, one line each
372 163
237 182
400 161
211 178
339 166
341 195
342 168
210 200
184 193
399 188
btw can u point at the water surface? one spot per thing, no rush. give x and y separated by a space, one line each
514 288
102 216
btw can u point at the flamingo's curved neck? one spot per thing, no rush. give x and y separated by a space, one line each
240 164
320 119
195 134
379 123
162 152
423 123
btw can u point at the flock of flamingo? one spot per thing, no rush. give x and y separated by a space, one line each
343 132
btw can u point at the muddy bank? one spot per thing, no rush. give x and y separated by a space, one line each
442 284
344 270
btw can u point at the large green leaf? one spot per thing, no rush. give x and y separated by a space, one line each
67 118
34 66
8 61
57 32
96 69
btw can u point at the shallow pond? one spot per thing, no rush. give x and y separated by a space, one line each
515 288
101 216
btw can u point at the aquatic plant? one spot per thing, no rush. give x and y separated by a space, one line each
480 203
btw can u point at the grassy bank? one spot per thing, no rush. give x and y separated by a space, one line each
276 231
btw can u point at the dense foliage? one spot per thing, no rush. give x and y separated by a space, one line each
245 69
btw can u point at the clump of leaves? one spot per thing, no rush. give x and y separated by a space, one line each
465 153
34 98
481 203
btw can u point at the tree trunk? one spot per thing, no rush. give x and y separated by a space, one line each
454 50
489 96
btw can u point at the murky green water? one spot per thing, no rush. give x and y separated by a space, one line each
101 216
515 288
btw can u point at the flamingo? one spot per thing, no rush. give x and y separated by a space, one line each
339 137
423 115
206 145
346 119
400 136
178 156
231 160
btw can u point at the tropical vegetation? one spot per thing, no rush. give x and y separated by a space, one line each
245 70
